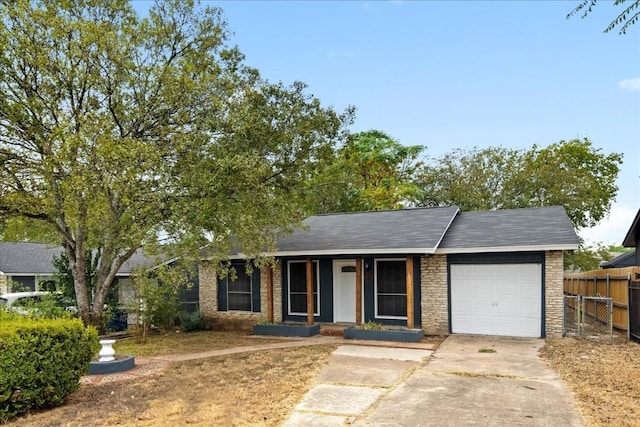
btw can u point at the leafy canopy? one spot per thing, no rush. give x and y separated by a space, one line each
372 171
117 129
572 173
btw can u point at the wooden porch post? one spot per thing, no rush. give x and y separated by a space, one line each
269 293
359 291
309 292
410 320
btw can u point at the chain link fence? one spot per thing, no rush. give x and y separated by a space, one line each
588 317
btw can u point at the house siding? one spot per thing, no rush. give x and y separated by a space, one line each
554 293
435 298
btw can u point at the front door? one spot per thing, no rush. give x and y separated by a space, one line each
344 291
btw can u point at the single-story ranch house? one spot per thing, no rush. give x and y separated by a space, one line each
445 271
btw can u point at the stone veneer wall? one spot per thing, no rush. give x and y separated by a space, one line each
3 284
277 292
434 288
553 293
208 293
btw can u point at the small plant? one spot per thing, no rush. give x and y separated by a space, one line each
487 350
264 322
191 321
372 326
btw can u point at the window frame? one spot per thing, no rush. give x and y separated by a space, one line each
317 284
375 288
250 293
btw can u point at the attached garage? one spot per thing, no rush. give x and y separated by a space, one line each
497 299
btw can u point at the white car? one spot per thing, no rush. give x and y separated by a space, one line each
18 301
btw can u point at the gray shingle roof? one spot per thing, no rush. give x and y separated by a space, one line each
548 227
627 259
419 230
26 258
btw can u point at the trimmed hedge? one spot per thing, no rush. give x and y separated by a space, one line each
41 361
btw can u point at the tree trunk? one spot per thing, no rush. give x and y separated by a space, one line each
78 270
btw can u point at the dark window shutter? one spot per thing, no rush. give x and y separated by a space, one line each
255 290
222 294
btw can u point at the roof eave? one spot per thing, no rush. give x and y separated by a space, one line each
523 248
630 239
340 252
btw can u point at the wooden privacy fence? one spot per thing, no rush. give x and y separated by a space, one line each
610 283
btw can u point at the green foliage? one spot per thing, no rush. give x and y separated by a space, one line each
573 174
116 128
372 326
41 361
50 306
192 321
157 297
589 258
27 230
372 171
629 15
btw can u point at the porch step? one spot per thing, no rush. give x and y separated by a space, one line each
333 329
332 332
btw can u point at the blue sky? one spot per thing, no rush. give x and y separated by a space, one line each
459 74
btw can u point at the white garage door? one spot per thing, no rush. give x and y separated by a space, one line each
496 299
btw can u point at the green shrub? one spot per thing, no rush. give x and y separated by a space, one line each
192 321
41 361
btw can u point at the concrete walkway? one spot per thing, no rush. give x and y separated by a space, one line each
352 381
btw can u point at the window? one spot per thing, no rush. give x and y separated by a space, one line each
297 275
391 288
239 290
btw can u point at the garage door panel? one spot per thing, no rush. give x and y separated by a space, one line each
496 299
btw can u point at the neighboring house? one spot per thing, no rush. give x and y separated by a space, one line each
26 264
439 269
30 264
631 240
626 259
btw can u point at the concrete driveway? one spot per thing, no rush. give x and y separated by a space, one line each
484 381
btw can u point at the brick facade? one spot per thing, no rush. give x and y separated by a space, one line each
3 284
434 289
553 293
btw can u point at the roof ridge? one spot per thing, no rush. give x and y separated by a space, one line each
420 208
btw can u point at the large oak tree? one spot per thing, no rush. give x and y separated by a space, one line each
117 129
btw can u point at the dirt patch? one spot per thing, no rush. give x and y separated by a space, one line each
258 389
604 378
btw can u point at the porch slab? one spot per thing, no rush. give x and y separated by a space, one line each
339 400
374 352
364 371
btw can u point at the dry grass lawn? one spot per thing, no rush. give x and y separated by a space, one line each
246 389
181 343
604 378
